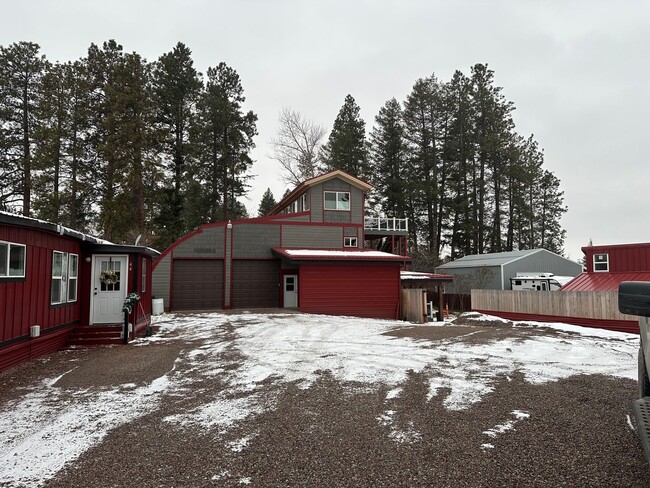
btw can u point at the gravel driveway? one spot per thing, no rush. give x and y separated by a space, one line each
166 411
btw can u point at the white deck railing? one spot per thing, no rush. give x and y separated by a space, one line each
386 223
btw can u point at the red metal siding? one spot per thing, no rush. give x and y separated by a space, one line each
623 258
33 348
26 302
361 290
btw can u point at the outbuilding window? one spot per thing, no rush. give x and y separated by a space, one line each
12 260
337 200
601 262
350 242
65 271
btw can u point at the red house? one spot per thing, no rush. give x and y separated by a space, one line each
608 266
315 252
59 287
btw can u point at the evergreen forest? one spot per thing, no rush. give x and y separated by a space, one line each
117 146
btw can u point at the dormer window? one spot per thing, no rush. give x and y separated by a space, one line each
601 263
337 200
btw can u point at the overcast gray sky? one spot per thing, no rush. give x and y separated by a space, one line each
576 71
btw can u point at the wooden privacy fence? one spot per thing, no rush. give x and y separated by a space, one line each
414 305
580 304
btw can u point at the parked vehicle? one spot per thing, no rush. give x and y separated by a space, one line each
539 281
634 299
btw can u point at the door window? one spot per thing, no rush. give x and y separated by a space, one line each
290 283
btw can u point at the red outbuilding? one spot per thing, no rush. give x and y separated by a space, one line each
609 266
59 286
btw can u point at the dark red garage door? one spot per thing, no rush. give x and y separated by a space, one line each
197 284
360 290
255 283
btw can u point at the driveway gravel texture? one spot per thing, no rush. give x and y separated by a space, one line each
277 399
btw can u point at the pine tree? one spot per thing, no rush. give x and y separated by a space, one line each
423 121
176 86
267 203
126 149
21 68
346 146
388 159
224 139
458 151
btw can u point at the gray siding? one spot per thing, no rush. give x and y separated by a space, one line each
312 237
255 241
487 278
337 217
316 203
299 218
206 244
356 206
354 216
160 280
540 262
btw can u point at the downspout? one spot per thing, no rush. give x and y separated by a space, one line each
502 280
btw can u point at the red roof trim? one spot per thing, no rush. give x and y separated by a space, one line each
310 182
643 245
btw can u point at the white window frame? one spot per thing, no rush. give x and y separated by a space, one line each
350 241
605 262
340 202
302 205
143 287
69 273
73 276
7 259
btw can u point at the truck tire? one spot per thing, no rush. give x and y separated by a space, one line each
644 382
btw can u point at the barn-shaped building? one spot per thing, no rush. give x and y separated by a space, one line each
308 253
494 271
59 286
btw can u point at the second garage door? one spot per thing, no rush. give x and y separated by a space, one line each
255 283
197 284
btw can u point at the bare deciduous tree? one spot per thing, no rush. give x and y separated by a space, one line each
296 146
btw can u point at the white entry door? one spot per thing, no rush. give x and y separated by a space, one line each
290 291
109 289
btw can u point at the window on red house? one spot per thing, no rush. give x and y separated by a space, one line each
601 262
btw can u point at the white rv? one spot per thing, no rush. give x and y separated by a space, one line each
538 281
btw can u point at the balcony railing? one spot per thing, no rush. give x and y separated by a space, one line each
386 223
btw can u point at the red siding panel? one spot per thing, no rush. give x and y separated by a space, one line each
623 258
26 302
361 290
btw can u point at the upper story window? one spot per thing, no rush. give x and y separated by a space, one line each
12 260
337 200
65 268
601 262
303 204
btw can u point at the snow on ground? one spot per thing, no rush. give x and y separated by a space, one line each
47 427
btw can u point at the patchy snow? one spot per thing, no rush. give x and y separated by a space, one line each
499 429
47 427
